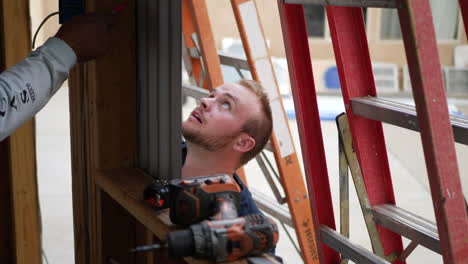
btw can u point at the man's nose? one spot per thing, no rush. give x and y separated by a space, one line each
206 103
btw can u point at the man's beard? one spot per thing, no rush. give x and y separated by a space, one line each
209 143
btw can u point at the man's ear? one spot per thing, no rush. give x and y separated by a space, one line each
244 143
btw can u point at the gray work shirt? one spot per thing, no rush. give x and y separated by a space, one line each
27 87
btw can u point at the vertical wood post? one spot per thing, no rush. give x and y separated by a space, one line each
19 208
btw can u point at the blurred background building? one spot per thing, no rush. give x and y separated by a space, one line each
384 38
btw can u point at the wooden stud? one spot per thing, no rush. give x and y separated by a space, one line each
20 147
6 218
103 129
80 172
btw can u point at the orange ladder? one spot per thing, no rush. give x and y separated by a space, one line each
204 68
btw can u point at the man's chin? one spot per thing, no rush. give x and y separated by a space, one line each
208 144
189 134
188 130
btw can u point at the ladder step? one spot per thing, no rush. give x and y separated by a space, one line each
271 207
408 225
235 62
348 249
194 91
402 115
224 59
355 3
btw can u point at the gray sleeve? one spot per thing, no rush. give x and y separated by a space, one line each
27 87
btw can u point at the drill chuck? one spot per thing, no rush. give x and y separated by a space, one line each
178 243
181 243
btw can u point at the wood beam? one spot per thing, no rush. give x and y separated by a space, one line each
80 172
6 217
103 131
22 242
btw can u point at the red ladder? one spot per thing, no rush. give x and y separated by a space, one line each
348 33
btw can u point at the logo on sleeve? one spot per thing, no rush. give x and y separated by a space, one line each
13 103
32 94
24 97
3 106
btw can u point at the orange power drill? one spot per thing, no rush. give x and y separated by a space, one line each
196 199
221 240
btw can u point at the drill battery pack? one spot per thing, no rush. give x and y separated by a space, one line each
192 200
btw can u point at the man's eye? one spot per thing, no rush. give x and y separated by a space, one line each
226 105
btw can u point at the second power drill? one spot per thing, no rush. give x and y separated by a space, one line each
223 236
192 200
221 240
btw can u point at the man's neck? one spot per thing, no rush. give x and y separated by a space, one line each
201 162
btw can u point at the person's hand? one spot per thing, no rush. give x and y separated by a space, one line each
88 35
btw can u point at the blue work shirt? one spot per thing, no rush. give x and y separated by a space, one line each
247 204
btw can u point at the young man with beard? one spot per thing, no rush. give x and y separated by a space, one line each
228 128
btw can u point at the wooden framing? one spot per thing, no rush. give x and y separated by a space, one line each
19 207
108 206
103 136
6 221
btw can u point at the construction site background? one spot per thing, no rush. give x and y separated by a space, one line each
408 169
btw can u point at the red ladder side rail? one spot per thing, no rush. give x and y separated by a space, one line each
308 120
355 70
436 132
464 11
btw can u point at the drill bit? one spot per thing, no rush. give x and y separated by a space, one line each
149 247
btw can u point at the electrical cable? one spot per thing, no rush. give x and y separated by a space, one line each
40 26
